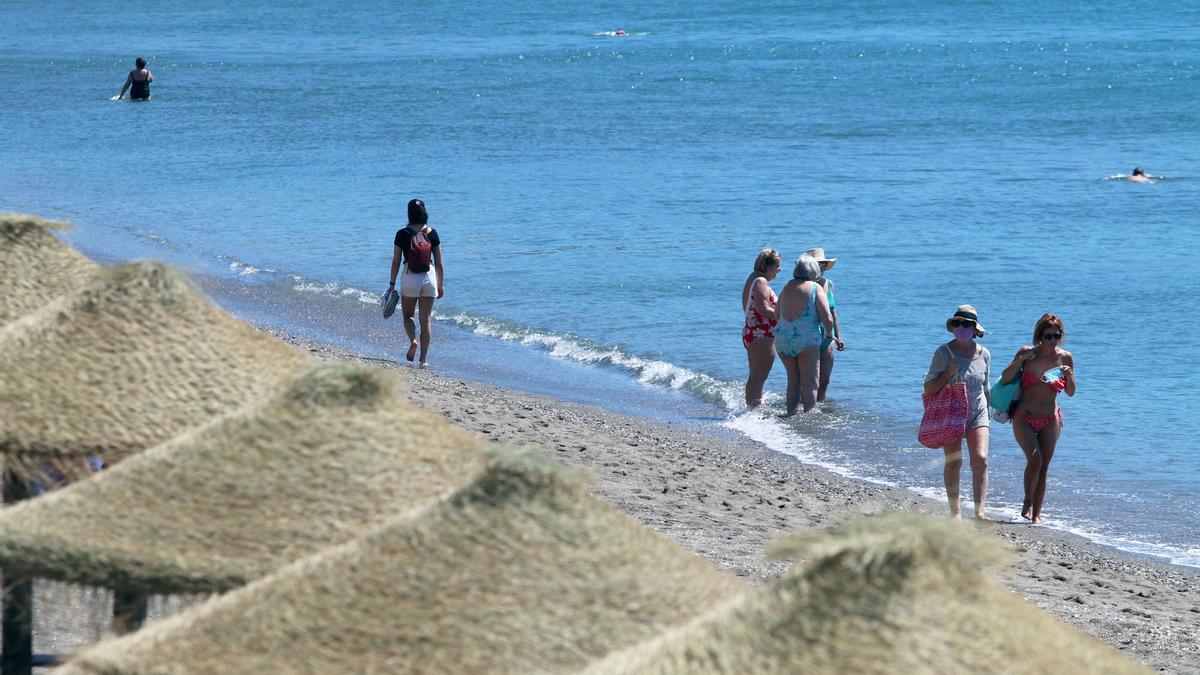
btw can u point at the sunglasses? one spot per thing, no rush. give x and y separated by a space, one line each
959 323
1052 336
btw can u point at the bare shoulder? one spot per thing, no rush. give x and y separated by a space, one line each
1023 348
1066 357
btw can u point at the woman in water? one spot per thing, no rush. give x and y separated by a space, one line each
829 341
961 360
138 82
803 312
758 331
418 249
1045 370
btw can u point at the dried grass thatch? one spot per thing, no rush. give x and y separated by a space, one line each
340 452
35 267
135 358
899 594
521 571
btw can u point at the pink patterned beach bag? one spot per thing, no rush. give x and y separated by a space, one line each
945 418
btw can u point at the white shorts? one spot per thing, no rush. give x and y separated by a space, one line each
418 284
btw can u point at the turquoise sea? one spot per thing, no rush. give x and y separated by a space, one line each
601 198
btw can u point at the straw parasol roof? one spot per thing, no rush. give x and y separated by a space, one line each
136 357
35 267
899 594
521 571
337 453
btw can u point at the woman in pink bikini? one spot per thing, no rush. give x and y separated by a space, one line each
758 330
1045 370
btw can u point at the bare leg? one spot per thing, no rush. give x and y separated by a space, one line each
793 383
826 370
1028 440
950 476
977 445
1047 441
426 325
808 361
761 356
408 307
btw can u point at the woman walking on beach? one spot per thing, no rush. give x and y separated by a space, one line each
961 360
758 331
1045 370
418 249
804 319
830 339
137 82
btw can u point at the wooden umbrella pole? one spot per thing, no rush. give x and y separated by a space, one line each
129 611
16 654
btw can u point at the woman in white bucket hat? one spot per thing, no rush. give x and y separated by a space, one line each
829 341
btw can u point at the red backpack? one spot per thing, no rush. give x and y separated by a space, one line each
419 252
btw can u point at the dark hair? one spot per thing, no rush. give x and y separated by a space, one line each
417 215
140 62
1045 322
1139 171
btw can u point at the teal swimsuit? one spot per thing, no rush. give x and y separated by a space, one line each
825 342
802 333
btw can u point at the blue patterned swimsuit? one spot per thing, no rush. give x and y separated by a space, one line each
803 332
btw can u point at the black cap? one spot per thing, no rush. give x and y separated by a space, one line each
417 215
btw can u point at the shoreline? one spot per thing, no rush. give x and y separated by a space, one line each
727 497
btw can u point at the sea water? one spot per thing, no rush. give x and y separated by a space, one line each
601 198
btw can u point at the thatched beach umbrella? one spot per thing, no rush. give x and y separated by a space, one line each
901 594
521 571
338 453
35 267
135 358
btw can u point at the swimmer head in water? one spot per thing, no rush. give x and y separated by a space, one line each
1139 175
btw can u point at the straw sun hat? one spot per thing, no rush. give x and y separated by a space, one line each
819 254
967 312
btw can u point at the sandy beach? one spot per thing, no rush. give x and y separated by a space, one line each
727 498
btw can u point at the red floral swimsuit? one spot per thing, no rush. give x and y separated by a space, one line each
757 326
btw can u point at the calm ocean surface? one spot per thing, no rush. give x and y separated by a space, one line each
601 199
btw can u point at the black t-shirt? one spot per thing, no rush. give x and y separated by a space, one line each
404 237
